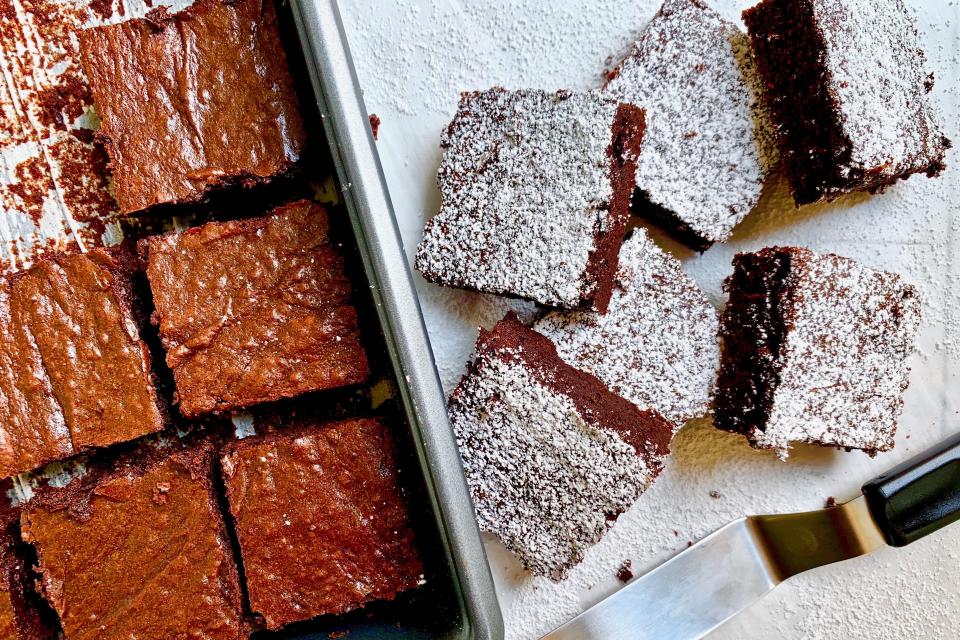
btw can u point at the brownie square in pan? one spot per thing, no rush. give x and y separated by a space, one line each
74 372
551 455
322 525
254 310
816 350
192 101
138 550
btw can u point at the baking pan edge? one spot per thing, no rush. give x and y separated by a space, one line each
364 192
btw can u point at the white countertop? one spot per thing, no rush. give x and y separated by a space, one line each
415 56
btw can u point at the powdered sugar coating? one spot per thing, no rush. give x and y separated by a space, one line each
877 76
708 145
525 183
657 344
546 477
844 362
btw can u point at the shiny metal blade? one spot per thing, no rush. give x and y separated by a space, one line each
700 588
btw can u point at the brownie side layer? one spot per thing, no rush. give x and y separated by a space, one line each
627 138
643 206
643 429
752 329
789 53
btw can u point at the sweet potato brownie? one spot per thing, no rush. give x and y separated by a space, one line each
657 344
138 550
816 350
192 101
535 191
708 144
847 88
322 524
254 310
552 456
74 373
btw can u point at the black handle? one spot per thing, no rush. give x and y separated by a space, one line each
919 496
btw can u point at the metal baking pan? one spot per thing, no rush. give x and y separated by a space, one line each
459 600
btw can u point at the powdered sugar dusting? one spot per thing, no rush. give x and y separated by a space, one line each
878 75
844 363
656 345
543 478
525 184
708 145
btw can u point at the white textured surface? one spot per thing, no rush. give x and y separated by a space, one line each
657 344
415 56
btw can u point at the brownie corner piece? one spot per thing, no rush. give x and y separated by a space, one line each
535 190
295 495
848 90
156 511
173 131
816 350
708 147
521 415
254 310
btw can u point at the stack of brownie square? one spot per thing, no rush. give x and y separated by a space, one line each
564 424
193 532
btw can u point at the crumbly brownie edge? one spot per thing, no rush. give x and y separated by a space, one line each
788 52
626 140
752 330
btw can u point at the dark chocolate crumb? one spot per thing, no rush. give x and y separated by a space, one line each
625 572
375 125
715 494
830 503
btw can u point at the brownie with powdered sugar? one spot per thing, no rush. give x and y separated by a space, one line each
816 350
657 344
848 90
535 192
708 145
551 455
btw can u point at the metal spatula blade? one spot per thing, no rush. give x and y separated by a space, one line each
700 588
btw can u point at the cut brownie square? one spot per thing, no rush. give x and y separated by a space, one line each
254 310
551 455
74 373
192 101
535 191
816 350
847 88
322 524
708 145
138 550
657 344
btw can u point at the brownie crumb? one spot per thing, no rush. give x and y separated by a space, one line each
830 502
715 494
375 125
625 572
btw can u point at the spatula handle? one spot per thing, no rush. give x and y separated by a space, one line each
919 496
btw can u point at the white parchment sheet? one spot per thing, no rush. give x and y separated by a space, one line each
415 56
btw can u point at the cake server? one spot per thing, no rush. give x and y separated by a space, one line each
698 589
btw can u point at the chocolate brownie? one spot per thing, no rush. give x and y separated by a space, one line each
322 524
254 310
551 455
74 373
22 614
657 344
138 549
848 92
535 191
816 350
708 145
192 101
